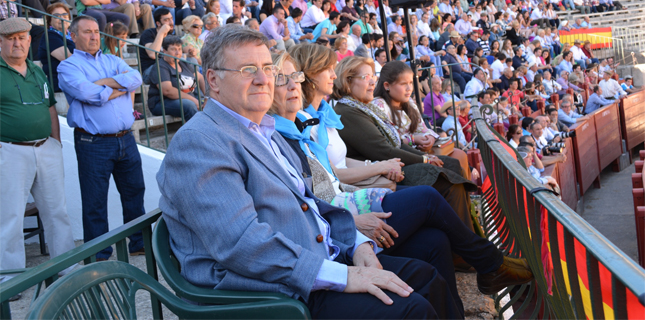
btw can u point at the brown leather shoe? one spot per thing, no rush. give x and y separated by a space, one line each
512 272
140 252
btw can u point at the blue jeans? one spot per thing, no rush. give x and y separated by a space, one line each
173 108
180 14
582 63
429 230
98 158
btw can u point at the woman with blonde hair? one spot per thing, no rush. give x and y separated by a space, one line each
317 63
341 48
420 224
192 44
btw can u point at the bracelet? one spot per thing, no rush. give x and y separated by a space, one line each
368 162
425 158
412 138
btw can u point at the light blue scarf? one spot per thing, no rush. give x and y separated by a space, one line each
328 119
288 129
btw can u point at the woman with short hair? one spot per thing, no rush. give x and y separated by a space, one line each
192 44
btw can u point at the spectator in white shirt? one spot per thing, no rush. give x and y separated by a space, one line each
354 38
578 56
476 84
396 25
445 7
313 16
423 28
537 16
550 85
498 66
463 26
610 87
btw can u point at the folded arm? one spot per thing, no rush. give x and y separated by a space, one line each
74 83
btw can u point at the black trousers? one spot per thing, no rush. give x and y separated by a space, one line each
431 298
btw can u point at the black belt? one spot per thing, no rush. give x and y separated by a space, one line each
109 135
30 143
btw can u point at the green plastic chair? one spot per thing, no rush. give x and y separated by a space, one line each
106 290
169 268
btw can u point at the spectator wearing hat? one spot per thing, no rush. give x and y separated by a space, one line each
610 87
578 55
596 101
31 156
586 49
455 38
99 90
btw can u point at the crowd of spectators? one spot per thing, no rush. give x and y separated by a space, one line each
371 154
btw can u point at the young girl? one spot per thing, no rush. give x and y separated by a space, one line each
112 45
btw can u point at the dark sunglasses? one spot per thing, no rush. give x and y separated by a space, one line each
198 26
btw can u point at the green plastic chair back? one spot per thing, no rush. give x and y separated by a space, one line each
169 268
106 290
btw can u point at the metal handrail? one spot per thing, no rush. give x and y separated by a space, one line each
515 223
158 54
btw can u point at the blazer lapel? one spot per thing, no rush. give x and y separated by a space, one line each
250 142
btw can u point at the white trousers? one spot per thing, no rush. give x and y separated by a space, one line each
38 170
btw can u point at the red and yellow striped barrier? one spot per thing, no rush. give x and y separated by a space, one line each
599 37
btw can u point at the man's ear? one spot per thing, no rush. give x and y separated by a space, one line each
213 81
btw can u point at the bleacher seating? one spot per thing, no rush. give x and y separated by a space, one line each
638 183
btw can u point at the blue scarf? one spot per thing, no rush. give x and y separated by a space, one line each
328 119
68 36
288 129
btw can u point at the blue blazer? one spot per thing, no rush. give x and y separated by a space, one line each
236 219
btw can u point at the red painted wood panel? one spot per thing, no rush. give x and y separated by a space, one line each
632 116
567 177
586 153
607 134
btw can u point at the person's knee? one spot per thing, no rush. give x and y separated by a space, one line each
190 108
128 9
415 306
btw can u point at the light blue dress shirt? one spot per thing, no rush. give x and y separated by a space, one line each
568 119
565 65
89 107
294 30
596 102
332 275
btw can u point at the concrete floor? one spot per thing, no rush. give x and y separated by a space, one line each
610 209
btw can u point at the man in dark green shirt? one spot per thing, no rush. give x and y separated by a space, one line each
31 159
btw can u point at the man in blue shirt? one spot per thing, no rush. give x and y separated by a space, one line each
98 88
327 27
596 101
293 23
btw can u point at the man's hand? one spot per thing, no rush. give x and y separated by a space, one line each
310 36
169 4
372 281
371 225
272 43
364 256
165 29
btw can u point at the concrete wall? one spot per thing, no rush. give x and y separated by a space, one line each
151 160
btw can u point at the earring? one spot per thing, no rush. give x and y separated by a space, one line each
313 85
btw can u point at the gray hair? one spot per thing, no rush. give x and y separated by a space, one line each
73 27
228 36
208 18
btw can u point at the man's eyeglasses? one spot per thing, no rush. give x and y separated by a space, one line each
42 95
283 79
198 26
367 76
251 71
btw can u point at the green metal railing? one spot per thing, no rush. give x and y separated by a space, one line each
588 274
47 272
144 97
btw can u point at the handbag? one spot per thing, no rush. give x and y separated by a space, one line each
443 146
377 181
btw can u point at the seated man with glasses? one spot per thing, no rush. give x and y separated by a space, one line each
165 85
241 217
30 151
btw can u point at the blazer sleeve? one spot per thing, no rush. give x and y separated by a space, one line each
365 141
